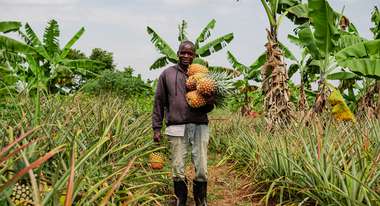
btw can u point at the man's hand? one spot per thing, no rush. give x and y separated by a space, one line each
157 136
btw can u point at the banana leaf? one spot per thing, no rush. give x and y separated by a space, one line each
72 41
236 64
205 33
182 31
323 19
298 14
50 38
12 45
9 26
362 59
162 46
159 63
342 76
215 45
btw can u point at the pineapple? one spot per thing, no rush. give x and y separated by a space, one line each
22 194
191 82
195 69
206 86
195 100
156 160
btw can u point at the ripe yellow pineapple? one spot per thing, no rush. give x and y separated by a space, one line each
195 100
156 160
22 194
191 82
196 68
206 86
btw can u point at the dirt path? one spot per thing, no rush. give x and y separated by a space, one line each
225 187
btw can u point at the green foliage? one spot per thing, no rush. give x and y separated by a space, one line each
103 56
169 54
120 83
105 134
375 18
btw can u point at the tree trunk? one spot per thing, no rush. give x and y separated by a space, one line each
302 104
277 105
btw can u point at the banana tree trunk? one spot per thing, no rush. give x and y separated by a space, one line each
277 105
366 106
302 104
378 99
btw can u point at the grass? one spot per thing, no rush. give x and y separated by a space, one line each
94 150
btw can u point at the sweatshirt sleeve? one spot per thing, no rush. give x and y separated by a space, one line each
160 102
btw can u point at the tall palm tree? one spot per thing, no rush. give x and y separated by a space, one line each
202 48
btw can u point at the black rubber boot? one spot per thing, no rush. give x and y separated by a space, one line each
180 191
200 193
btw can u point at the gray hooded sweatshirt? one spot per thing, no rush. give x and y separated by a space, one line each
170 101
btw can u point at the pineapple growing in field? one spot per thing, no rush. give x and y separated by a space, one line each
22 194
195 100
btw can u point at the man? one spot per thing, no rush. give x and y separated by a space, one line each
186 126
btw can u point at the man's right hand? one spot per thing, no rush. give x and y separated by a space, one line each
157 136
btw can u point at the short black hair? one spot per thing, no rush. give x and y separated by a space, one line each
186 42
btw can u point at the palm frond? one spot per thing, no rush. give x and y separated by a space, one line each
36 43
72 41
235 63
50 38
162 46
9 26
182 31
215 45
205 34
159 63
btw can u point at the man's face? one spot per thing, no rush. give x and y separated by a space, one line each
186 54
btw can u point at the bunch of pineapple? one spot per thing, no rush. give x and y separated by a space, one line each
201 84
22 194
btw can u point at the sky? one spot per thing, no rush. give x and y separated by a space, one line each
119 26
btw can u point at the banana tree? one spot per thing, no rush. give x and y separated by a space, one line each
51 59
202 48
248 74
277 105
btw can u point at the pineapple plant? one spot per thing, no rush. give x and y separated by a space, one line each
22 194
156 160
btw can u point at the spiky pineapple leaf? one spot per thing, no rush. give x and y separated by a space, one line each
215 45
72 41
9 26
162 46
205 33
50 38
159 63
182 31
